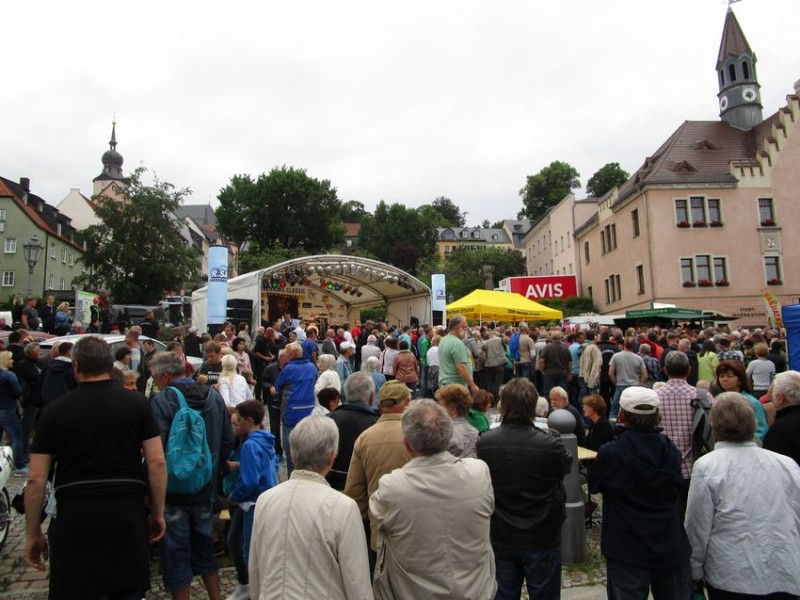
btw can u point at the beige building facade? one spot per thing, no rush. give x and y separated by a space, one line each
550 245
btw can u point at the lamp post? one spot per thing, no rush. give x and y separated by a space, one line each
32 251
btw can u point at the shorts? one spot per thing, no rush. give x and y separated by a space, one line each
187 548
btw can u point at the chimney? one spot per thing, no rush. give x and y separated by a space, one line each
25 184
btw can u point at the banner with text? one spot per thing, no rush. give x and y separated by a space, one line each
217 285
546 287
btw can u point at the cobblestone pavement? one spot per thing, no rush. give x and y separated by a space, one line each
20 582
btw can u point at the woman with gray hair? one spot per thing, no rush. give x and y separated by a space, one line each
320 550
328 377
370 349
373 367
742 496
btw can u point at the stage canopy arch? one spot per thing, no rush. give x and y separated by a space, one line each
326 287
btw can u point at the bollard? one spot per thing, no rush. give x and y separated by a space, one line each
573 532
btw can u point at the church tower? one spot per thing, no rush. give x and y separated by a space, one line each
739 96
112 165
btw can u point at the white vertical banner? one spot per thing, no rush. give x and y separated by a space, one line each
439 298
217 285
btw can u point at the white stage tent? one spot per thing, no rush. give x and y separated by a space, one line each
351 283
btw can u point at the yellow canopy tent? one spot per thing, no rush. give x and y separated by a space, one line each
488 305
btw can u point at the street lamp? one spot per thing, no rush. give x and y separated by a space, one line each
33 250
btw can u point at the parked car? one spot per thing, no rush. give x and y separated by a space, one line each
115 341
38 336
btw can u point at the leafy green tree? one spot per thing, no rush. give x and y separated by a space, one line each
136 250
255 257
450 212
397 235
607 177
353 211
571 307
464 268
547 188
285 208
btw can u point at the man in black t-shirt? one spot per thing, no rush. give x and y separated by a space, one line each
96 434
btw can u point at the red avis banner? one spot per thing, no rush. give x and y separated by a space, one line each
546 287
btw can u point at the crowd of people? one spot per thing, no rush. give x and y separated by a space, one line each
415 463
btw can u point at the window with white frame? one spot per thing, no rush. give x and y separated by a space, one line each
697 205
62 283
766 212
64 256
10 246
698 211
8 278
714 212
681 212
51 281
2 214
772 270
720 270
52 250
704 270
71 259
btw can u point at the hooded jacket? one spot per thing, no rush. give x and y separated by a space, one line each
218 430
639 474
57 379
258 467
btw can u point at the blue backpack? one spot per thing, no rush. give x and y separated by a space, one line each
189 462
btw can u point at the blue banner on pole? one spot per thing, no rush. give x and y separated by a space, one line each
217 285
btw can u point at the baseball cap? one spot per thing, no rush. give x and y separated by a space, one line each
393 392
346 346
639 401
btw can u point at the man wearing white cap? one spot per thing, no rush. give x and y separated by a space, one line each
639 475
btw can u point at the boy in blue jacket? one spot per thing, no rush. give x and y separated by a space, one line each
258 466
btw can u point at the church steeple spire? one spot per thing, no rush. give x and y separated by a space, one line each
739 97
112 160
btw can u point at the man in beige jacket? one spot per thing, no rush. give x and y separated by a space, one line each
433 517
307 537
377 451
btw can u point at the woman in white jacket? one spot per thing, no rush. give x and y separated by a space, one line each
232 386
328 377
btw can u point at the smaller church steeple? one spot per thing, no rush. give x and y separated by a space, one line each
112 160
739 91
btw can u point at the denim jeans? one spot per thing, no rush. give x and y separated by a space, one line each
615 400
247 526
540 569
523 370
236 544
627 582
9 422
285 433
187 548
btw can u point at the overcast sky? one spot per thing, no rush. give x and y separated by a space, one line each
400 101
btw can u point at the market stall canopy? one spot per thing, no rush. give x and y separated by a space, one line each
489 305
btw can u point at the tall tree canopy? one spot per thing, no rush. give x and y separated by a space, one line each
136 250
449 211
464 268
547 188
284 208
353 211
606 178
397 235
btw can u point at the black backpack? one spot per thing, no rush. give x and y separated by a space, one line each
702 434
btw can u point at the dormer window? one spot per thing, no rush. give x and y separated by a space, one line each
495 236
476 234
732 72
